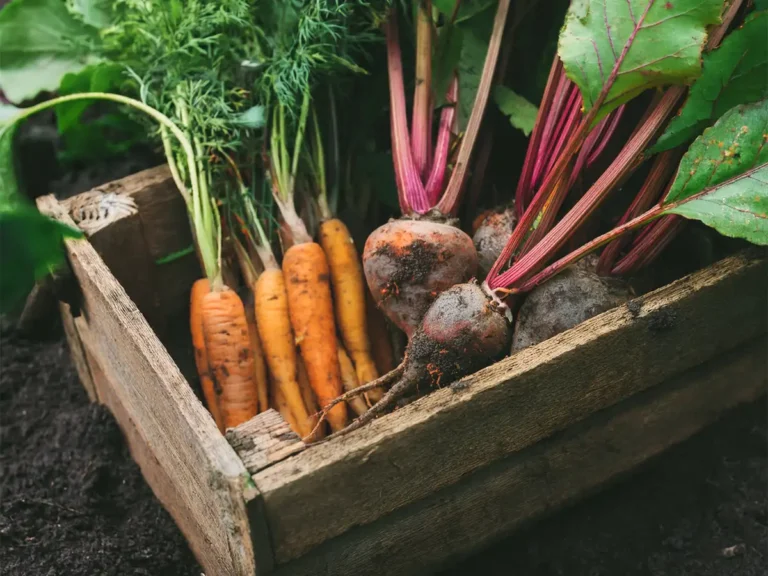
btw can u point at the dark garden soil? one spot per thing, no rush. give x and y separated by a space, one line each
72 502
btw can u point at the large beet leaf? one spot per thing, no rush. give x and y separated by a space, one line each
723 178
615 49
733 74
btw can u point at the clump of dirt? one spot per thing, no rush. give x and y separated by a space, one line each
71 499
415 262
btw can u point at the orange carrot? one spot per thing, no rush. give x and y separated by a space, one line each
310 401
282 406
200 288
380 338
228 344
311 311
349 296
274 325
350 382
259 364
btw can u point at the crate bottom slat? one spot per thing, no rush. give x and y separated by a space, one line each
490 503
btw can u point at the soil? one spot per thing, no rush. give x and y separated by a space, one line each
72 502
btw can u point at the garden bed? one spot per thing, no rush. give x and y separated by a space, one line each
528 435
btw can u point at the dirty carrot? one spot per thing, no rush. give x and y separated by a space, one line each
310 401
349 294
228 344
260 376
200 288
350 382
311 312
274 325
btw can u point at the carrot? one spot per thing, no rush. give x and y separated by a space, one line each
259 364
228 344
274 326
380 338
282 406
310 401
349 296
311 311
350 382
200 288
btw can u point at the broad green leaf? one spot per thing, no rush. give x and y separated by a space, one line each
252 118
110 132
649 43
31 242
761 4
40 42
521 113
31 250
735 73
7 113
467 9
476 35
450 39
723 178
97 13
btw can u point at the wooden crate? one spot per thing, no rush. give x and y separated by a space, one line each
435 480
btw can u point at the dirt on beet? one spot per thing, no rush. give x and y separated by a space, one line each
72 502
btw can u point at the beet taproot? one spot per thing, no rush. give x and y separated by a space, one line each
462 331
491 236
568 299
408 263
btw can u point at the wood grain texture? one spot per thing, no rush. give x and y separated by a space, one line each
264 440
77 351
434 442
131 245
488 504
189 465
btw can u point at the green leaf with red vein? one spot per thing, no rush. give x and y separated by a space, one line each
615 49
733 74
723 178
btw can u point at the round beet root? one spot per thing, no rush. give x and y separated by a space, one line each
408 263
491 236
574 295
463 331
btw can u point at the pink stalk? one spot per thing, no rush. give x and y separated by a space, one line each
568 123
558 115
650 244
449 203
410 190
522 192
422 97
661 170
439 166
624 163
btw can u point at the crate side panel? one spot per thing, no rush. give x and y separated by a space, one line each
432 443
204 482
492 502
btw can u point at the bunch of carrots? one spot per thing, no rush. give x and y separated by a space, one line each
251 100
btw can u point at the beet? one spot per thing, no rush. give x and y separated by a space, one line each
463 331
574 295
409 262
491 236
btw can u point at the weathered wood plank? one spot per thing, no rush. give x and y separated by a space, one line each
432 443
264 440
77 351
491 502
190 466
134 240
